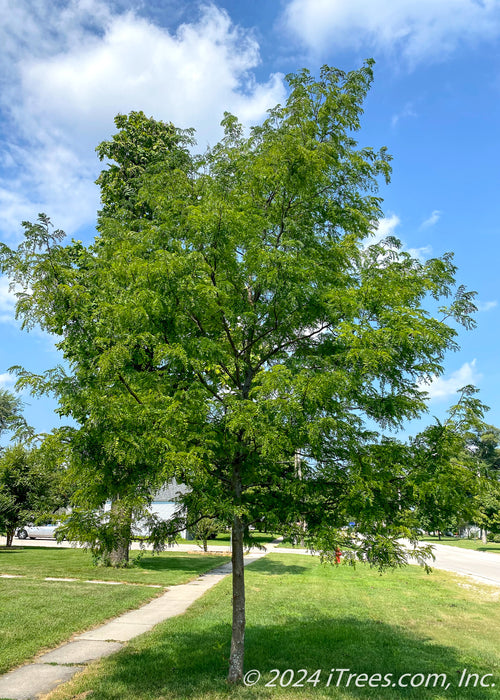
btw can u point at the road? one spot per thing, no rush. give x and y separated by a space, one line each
483 566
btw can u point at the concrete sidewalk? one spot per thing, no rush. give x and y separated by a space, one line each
58 666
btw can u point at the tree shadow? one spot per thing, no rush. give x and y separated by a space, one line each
177 662
273 567
178 562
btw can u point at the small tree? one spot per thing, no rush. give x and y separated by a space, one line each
241 320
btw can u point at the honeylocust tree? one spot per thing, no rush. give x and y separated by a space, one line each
246 324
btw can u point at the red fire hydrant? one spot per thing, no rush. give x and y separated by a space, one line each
338 554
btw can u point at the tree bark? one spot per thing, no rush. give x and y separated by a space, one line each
484 535
238 635
10 537
122 517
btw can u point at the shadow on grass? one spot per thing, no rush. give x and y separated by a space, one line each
35 548
175 562
147 561
271 567
176 663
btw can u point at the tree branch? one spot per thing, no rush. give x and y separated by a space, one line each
129 389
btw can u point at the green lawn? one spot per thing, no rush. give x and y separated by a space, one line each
477 545
167 568
287 544
303 615
35 615
225 538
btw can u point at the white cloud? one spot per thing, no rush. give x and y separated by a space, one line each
72 70
385 227
421 253
7 302
416 29
432 220
407 111
7 379
441 388
486 305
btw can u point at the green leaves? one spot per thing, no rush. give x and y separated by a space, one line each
231 315
10 411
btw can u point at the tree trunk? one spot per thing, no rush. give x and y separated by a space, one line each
298 472
119 555
484 535
10 537
238 636
121 516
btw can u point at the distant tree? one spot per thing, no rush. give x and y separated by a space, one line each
486 446
10 411
31 488
446 479
242 320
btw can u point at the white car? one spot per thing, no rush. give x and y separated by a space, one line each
39 531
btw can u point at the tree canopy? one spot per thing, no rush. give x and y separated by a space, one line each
232 320
10 412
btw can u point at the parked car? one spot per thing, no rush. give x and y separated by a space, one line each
39 531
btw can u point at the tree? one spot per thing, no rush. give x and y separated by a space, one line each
243 319
111 459
486 446
10 412
445 479
31 487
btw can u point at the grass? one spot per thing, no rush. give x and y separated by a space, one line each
36 615
302 615
225 538
288 544
166 569
476 545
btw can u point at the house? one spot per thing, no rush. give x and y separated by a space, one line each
165 504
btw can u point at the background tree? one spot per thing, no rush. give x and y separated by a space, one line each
445 479
112 458
242 320
486 445
10 412
32 487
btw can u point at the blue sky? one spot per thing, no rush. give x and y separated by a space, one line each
68 67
